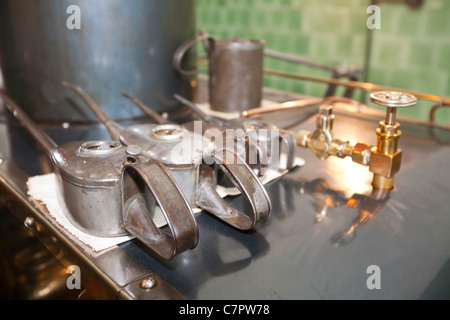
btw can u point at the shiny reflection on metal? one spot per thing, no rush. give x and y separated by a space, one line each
168 132
326 197
393 99
133 150
367 206
29 222
148 283
99 148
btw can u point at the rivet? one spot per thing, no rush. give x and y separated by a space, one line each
133 150
148 283
29 222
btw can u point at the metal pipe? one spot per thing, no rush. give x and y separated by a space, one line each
390 116
37 133
296 59
113 127
197 110
366 86
149 112
433 110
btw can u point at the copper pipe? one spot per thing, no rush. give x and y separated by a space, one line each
302 104
435 108
366 86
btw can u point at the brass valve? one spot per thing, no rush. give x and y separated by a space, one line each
385 158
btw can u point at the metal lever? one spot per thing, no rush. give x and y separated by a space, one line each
137 219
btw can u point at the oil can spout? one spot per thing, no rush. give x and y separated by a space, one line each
113 127
37 133
149 112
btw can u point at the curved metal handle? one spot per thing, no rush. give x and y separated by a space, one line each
181 51
243 177
150 186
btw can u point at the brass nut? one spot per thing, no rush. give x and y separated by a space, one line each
302 138
360 153
383 164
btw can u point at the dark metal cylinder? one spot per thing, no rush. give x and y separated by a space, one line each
121 46
236 74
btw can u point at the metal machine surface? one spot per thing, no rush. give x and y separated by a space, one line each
340 227
327 229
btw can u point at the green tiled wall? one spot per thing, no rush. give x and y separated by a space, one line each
410 51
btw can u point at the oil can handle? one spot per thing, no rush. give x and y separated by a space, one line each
246 181
181 51
150 186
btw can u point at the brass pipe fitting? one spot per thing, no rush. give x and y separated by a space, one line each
323 144
360 153
385 158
